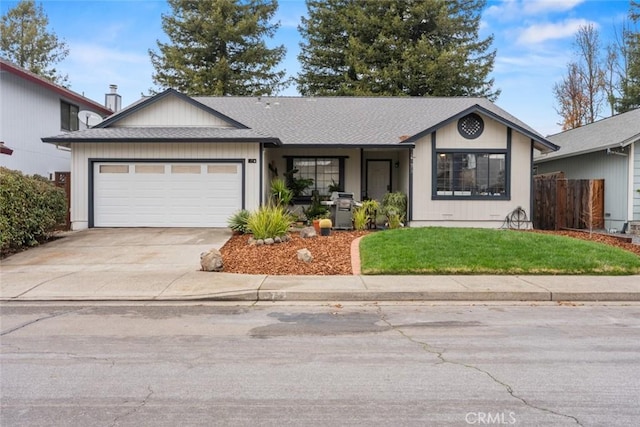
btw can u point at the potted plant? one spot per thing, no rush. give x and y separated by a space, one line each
325 226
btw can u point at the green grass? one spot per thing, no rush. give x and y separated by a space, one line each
435 250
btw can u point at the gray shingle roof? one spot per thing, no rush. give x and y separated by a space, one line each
616 131
160 134
349 120
297 121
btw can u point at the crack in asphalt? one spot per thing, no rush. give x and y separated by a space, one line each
134 409
31 322
439 354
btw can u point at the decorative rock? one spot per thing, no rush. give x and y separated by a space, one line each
211 260
286 238
308 232
259 242
269 241
305 255
277 239
251 241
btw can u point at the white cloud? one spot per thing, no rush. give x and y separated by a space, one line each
534 7
539 33
510 10
95 54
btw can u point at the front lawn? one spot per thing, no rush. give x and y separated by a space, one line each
436 250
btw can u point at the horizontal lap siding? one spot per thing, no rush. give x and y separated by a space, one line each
471 212
166 151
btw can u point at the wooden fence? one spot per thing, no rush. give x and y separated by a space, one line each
567 203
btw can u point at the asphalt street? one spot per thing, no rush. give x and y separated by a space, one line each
167 364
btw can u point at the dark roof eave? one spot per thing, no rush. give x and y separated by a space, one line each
66 141
351 146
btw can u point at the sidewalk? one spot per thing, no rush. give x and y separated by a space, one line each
39 284
162 265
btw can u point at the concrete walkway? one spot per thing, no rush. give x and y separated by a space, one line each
163 285
162 264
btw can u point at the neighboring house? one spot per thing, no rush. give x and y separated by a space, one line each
608 149
32 107
172 160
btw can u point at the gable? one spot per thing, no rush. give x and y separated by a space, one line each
172 111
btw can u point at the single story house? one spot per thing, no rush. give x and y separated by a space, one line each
177 161
608 149
31 107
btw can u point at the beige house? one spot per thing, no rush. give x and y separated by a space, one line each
177 161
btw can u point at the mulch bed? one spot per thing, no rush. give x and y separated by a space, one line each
332 254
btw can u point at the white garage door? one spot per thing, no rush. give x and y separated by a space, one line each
166 194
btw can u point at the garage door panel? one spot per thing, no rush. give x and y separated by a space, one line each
166 194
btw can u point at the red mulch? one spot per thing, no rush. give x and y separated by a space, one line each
331 254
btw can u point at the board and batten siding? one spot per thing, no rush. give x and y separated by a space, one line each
171 111
83 152
613 169
29 113
471 213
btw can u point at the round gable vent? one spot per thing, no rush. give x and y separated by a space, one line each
471 126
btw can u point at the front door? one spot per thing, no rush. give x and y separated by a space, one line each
378 178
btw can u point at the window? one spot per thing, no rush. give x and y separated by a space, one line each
471 174
325 172
68 116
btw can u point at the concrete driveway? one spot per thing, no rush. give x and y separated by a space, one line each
123 261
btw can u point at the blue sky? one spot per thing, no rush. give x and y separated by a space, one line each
109 42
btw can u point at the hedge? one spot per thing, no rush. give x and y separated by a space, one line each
30 209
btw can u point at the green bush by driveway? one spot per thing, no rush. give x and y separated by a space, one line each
30 209
436 250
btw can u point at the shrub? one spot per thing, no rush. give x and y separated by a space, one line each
269 221
31 207
238 221
281 194
360 218
394 207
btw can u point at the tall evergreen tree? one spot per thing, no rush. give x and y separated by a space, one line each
26 41
395 47
630 85
217 47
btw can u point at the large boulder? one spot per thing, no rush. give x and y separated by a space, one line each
308 232
305 255
211 260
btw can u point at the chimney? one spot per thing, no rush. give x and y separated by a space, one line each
112 100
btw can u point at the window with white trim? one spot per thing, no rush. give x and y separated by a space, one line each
471 175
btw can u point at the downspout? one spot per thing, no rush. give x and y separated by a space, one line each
630 173
410 195
261 173
531 184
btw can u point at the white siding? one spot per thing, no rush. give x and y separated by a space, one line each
29 112
171 111
475 213
612 168
167 151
